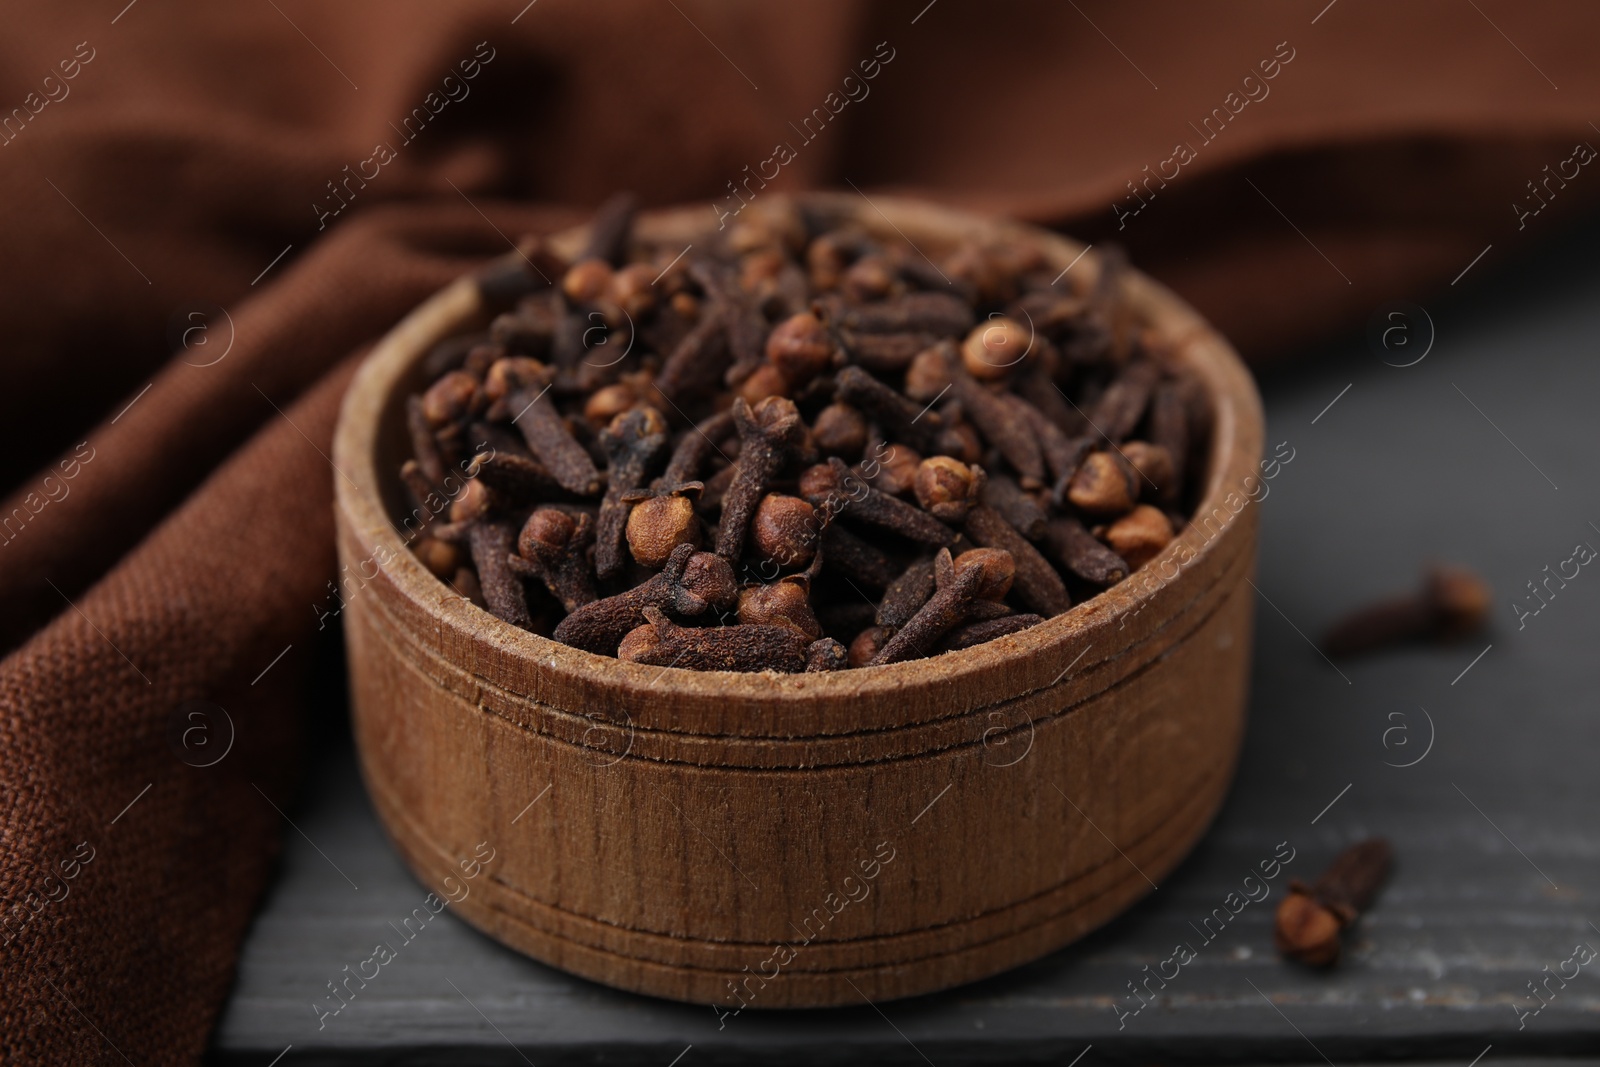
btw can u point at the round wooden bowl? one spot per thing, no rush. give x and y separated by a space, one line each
810 839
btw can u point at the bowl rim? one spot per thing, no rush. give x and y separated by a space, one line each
1237 432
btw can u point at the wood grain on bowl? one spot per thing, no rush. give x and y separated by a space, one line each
803 840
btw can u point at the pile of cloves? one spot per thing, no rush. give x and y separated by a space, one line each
796 445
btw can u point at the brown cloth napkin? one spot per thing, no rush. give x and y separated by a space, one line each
309 172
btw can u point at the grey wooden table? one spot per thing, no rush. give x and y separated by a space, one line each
1483 453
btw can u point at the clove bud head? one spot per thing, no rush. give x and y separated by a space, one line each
897 472
659 524
840 430
785 530
1152 463
947 488
1460 601
587 281
826 654
710 578
866 645
547 531
511 373
609 401
766 380
632 291
998 568
450 399
800 347
995 347
928 376
474 502
440 557
783 603
1307 931
1140 535
1103 485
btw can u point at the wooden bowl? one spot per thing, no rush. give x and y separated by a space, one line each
811 839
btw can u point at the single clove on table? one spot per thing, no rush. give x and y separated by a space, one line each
1452 603
1311 918
800 445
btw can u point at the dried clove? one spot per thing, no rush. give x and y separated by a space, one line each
855 559
1080 553
826 654
632 443
899 415
941 314
1452 603
490 543
1104 485
423 444
884 353
1063 455
867 644
1123 403
840 430
896 470
1169 429
1311 918
690 584
660 642
928 376
1038 584
768 436
800 348
906 595
551 442
513 475
609 401
454 397
694 448
554 548
977 633
608 230
1002 493
440 557
835 487
981 573
1140 535
1153 466
698 363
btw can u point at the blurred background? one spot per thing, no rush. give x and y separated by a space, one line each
208 210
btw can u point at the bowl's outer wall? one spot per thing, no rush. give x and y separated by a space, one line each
805 840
